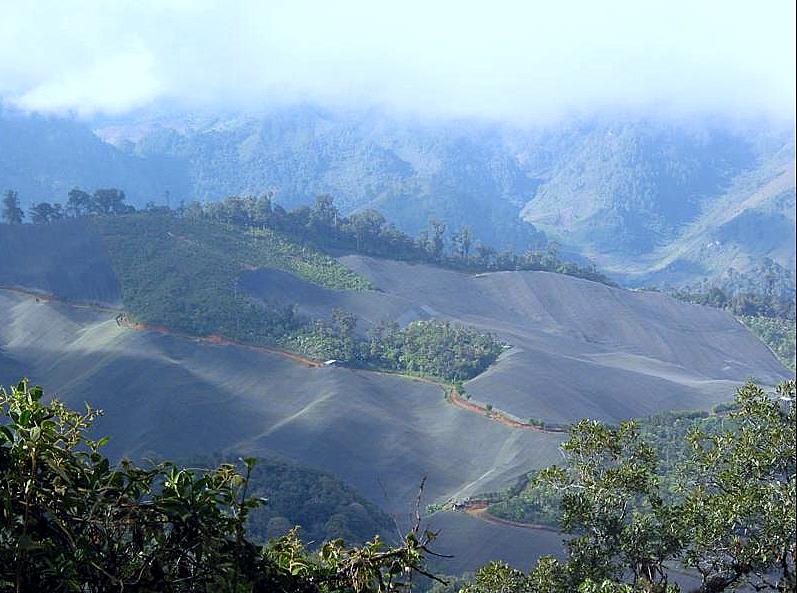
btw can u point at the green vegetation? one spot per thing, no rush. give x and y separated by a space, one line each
323 226
777 333
742 304
431 347
764 303
319 503
179 269
70 520
535 502
183 274
729 514
368 232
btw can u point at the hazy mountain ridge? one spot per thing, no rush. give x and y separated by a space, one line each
44 157
652 202
409 172
672 204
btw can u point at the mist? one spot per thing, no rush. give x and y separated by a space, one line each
516 61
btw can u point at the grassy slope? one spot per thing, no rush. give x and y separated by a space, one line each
65 258
183 274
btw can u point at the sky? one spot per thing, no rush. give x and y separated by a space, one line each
523 60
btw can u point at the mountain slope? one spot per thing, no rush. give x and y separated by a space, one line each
578 348
410 172
42 158
571 340
753 221
638 196
176 398
672 204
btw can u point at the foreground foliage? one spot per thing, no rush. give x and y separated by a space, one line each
729 517
72 521
536 501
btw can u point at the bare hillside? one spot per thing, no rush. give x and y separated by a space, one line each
578 348
177 398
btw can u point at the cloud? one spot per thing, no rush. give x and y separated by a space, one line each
113 84
520 60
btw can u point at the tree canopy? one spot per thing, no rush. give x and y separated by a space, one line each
730 520
70 520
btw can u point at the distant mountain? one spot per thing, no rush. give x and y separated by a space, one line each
43 158
651 202
410 172
664 204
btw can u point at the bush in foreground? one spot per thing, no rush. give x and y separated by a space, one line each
72 521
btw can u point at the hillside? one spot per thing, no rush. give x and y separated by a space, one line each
179 398
576 348
663 207
678 355
652 202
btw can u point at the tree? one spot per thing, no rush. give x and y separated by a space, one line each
78 203
437 238
262 211
70 520
44 212
485 254
731 516
463 240
108 201
366 226
325 214
739 504
551 257
12 213
345 324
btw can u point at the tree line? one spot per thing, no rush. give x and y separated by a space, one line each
370 233
101 202
323 225
758 304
